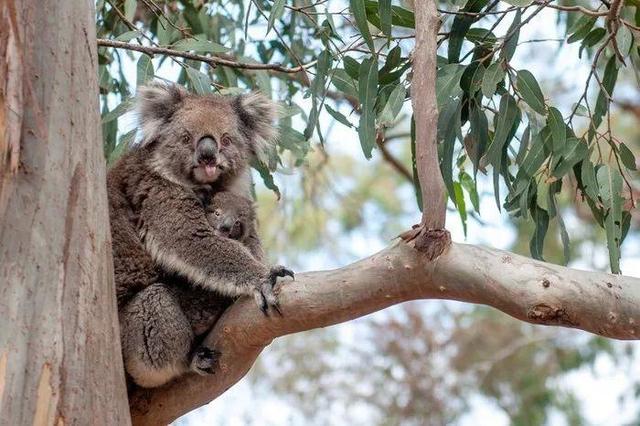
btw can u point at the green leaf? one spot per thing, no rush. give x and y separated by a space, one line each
470 185
338 116
541 219
627 157
530 91
122 108
558 128
609 188
448 83
624 38
608 83
352 67
124 142
367 91
384 11
127 36
360 15
513 33
400 17
317 89
448 124
535 157
573 152
145 70
472 78
198 45
581 28
508 116
393 105
341 81
130 9
481 36
460 205
588 178
266 176
492 76
276 13
200 82
592 38
459 28
479 131
564 235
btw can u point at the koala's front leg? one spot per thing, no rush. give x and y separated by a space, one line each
178 236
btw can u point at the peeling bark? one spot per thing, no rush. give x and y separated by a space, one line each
529 290
60 360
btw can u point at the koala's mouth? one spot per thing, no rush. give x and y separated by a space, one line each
207 171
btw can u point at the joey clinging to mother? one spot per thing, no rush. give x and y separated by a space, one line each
190 143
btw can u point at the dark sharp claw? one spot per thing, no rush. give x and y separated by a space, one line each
276 307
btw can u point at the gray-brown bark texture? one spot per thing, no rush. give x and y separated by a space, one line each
60 359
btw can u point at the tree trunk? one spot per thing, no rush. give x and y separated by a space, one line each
60 359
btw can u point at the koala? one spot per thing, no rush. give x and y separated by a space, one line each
234 217
190 143
231 216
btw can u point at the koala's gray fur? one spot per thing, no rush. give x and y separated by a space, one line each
190 144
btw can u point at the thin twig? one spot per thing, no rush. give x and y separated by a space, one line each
211 60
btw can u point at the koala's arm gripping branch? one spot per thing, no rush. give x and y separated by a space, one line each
532 291
179 238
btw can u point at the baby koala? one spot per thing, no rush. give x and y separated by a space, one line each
231 216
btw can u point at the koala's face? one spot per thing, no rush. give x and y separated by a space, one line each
230 215
204 138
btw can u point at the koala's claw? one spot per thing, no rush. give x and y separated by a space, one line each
279 271
204 360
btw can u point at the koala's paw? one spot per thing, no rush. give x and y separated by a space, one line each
204 360
279 271
265 296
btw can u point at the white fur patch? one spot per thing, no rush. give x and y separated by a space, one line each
173 263
149 377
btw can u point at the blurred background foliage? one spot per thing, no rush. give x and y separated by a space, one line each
323 204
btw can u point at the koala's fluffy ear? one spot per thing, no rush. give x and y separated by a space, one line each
257 114
155 104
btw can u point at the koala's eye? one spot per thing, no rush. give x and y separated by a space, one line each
217 212
186 137
226 140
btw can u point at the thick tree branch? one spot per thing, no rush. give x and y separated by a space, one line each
532 291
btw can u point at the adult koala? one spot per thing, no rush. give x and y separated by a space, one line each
190 144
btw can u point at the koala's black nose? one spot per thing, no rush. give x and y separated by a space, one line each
206 150
227 224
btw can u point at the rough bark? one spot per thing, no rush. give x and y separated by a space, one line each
60 360
532 291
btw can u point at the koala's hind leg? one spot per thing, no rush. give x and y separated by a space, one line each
156 337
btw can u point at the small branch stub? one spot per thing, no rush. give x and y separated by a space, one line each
431 242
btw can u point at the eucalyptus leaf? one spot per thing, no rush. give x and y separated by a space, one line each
627 157
393 105
145 71
530 91
360 16
276 13
367 91
609 189
492 76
